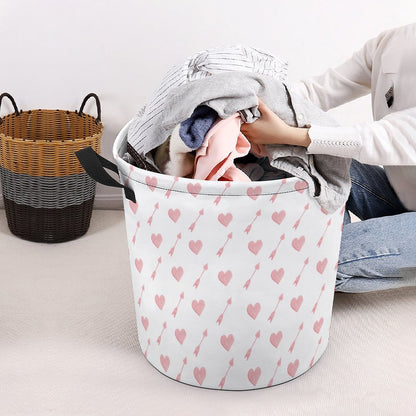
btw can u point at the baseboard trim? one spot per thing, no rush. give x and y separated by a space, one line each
113 202
108 202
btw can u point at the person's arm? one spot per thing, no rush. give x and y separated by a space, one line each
348 81
271 129
389 141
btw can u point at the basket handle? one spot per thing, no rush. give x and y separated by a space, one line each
5 94
97 101
94 165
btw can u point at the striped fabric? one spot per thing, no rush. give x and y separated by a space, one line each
198 66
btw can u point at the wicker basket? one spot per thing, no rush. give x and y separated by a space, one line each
47 195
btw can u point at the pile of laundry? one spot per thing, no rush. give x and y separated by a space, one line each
191 126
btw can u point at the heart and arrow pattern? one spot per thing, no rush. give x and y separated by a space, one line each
233 282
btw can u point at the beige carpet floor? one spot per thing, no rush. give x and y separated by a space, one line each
68 343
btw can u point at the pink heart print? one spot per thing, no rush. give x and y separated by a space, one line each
133 206
225 219
321 265
318 325
275 338
296 303
225 277
151 182
253 193
277 275
253 310
160 301
298 243
292 368
156 240
254 375
195 246
198 306
227 341
145 322
278 217
174 214
139 264
177 273
165 361
180 335
200 374
194 189
255 246
300 186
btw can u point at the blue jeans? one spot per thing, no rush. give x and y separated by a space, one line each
378 252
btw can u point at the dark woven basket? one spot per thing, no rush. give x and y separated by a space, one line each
47 195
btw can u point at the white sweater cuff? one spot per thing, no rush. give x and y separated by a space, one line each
335 141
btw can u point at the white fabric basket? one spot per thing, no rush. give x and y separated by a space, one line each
233 282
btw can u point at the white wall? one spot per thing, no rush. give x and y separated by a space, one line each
54 52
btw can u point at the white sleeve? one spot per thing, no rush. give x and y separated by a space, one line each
389 141
348 81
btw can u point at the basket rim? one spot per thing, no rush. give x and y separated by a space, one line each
134 174
4 136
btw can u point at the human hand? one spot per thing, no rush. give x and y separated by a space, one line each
271 129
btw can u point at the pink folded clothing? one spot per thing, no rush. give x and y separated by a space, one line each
222 144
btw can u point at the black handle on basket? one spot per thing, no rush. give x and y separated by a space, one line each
97 102
5 94
94 165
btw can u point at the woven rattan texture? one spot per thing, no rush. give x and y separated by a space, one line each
46 191
43 142
48 225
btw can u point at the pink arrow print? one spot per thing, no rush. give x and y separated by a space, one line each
149 221
319 297
159 338
135 233
197 281
159 260
198 347
273 198
192 226
316 351
222 382
273 253
292 346
248 228
140 297
323 235
184 362
256 268
147 348
175 310
279 363
296 225
172 250
250 350
305 263
169 191
218 198
221 317
271 317
221 250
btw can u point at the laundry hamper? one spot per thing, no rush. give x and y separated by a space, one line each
47 195
233 281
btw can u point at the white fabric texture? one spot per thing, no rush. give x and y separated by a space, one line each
220 303
69 347
384 62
